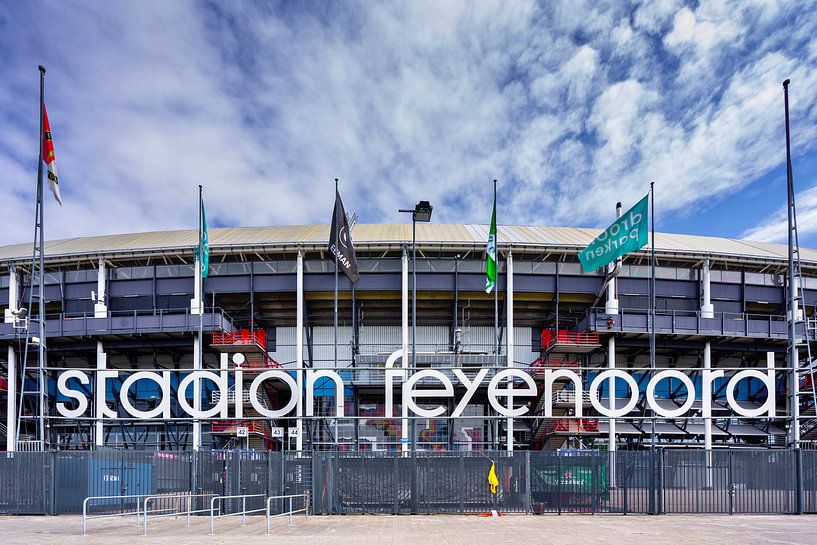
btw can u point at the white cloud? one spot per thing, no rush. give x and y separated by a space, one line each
572 105
775 228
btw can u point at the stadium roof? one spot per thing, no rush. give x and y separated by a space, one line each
378 236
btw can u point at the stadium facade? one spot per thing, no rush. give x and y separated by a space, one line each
127 303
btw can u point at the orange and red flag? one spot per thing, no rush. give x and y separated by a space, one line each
48 158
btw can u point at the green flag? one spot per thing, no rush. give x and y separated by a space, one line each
203 251
627 234
490 254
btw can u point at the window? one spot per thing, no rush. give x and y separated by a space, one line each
272 339
139 302
131 273
177 302
536 339
74 277
274 267
75 307
174 271
228 269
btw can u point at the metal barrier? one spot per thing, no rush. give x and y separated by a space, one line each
86 517
105 483
291 512
243 512
188 512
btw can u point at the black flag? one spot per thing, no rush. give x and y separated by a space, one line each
340 241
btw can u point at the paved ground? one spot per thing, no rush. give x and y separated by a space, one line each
419 530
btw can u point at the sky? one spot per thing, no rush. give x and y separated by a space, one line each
571 105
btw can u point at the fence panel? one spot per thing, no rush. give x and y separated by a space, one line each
569 482
697 481
809 481
253 476
671 481
764 481
633 490
26 483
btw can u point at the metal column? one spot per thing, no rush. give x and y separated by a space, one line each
11 394
509 351
404 329
11 401
707 413
299 349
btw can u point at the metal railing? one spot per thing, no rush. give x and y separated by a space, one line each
688 321
304 509
244 512
29 445
127 321
86 517
176 513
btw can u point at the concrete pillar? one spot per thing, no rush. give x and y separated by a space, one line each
509 336
707 418
299 350
404 330
100 306
101 365
611 305
707 421
707 308
14 296
11 401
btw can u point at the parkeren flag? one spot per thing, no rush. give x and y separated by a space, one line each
203 251
490 255
627 234
48 159
340 241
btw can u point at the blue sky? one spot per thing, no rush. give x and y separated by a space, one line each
572 105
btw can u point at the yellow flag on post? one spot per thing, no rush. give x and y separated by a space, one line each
493 482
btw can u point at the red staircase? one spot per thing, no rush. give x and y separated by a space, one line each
251 343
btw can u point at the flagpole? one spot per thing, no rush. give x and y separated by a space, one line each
42 346
200 302
496 316
335 227
652 301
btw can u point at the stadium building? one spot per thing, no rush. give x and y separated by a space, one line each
128 302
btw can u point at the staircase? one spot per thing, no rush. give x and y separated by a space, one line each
561 349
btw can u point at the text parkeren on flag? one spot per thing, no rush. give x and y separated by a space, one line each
625 235
340 242
49 159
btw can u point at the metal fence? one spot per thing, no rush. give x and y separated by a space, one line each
646 482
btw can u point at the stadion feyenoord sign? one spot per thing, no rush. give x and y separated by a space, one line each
505 388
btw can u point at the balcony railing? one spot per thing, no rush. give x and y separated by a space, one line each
246 337
229 427
124 322
731 324
572 425
552 338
